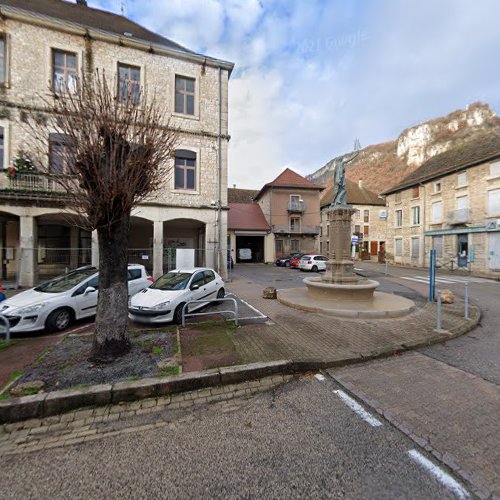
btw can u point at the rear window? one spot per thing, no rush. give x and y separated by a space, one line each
134 274
306 257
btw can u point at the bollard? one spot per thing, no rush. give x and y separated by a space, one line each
438 311
386 264
466 301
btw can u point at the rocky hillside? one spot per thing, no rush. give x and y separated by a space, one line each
381 166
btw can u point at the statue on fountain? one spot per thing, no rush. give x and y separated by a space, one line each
340 190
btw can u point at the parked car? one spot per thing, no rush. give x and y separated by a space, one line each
163 301
53 305
313 263
285 261
294 262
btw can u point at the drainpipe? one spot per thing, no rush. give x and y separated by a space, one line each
422 222
219 179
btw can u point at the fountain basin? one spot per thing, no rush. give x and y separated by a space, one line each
353 300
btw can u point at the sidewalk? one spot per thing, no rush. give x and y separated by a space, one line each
310 337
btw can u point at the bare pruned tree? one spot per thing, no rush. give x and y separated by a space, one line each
114 150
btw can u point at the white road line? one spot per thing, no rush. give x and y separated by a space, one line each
444 478
248 305
358 409
358 269
319 377
415 279
441 280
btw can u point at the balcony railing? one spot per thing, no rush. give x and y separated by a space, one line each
295 229
296 206
460 216
32 182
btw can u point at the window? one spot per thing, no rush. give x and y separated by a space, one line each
437 244
3 58
495 169
397 197
494 202
295 225
462 202
2 147
399 218
64 71
294 246
185 169
415 247
366 215
357 215
209 276
129 83
415 216
437 187
462 179
328 230
415 192
60 157
134 274
398 247
437 212
199 279
357 229
328 247
366 230
320 247
184 95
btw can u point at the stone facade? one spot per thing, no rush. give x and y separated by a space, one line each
181 218
459 216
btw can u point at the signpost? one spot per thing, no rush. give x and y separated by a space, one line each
432 275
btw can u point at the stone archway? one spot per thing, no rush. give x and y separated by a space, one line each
140 242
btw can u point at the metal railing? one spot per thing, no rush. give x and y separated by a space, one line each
295 230
235 313
296 206
32 182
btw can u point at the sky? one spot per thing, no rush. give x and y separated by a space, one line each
311 76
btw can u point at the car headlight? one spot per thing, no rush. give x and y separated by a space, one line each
30 309
161 306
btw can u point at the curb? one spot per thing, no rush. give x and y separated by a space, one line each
56 402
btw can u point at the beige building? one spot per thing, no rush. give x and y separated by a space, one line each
52 42
290 204
369 222
452 204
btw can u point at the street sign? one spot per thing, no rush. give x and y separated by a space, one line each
354 239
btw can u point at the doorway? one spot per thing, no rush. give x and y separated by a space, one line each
462 249
494 251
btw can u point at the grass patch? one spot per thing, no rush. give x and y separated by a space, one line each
169 370
133 379
6 345
4 396
212 344
213 326
157 350
16 374
29 391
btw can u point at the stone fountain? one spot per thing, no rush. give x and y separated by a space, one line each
340 292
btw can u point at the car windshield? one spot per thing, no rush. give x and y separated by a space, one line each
66 281
172 281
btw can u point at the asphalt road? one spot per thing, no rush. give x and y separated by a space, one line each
299 441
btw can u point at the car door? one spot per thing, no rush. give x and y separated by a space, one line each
136 282
322 262
198 289
211 284
86 303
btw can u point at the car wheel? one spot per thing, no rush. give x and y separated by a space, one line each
59 320
178 314
314 269
220 295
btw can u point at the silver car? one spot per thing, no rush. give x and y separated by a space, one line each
53 305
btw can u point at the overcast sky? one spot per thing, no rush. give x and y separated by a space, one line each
313 75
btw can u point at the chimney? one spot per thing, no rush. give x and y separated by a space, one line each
360 183
82 2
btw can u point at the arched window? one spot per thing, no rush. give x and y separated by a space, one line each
185 169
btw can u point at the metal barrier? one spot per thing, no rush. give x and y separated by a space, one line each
226 299
5 321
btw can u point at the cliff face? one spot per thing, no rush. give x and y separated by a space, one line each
381 166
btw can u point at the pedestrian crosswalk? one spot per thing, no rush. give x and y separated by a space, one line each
447 280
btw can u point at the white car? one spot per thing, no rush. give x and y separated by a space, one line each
313 263
163 301
53 305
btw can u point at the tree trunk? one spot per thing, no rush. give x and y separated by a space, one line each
111 335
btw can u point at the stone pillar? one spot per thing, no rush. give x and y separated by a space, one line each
157 249
28 243
210 239
340 267
74 245
94 248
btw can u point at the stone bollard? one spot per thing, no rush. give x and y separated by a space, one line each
269 293
447 297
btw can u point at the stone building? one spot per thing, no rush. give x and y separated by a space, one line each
450 203
52 42
369 223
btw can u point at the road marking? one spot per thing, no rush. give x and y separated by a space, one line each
319 377
261 315
358 409
358 269
443 477
447 280
415 279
